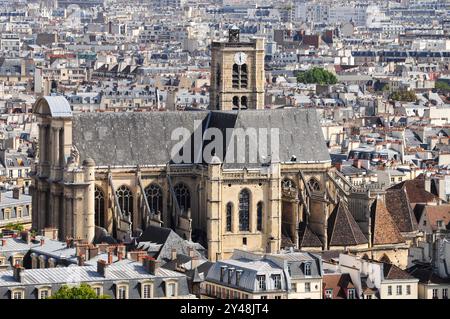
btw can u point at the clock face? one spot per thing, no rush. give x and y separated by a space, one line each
240 58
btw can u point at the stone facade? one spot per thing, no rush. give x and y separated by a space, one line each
234 84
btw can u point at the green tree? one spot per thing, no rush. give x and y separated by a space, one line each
14 226
84 291
442 85
404 96
317 76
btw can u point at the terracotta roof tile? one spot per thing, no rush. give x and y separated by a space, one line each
343 229
398 205
384 229
339 283
307 238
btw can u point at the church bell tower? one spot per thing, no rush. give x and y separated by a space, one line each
237 73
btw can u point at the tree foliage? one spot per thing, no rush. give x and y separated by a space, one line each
84 291
442 85
317 76
14 226
403 96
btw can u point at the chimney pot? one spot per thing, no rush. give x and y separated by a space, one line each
110 258
174 254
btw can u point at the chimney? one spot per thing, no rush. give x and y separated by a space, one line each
3 242
110 257
81 260
195 260
16 193
80 249
69 242
173 254
137 255
93 252
18 273
42 241
357 163
121 250
102 268
103 248
151 265
119 255
26 237
191 252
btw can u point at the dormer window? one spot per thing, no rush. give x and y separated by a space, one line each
351 294
222 272
261 279
238 276
307 269
230 275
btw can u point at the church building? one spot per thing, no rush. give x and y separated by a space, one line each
116 174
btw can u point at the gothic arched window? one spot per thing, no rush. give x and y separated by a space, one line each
235 76
314 185
125 197
259 216
288 185
229 216
235 101
183 197
244 76
99 207
244 210
153 193
244 102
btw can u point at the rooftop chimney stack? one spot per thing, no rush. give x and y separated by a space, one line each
18 273
102 267
16 193
81 260
174 254
151 265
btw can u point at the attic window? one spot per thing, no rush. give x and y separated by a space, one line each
307 269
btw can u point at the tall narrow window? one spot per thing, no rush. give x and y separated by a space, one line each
244 102
153 193
236 102
218 76
99 207
307 268
125 197
183 197
244 76
229 216
259 216
235 76
244 214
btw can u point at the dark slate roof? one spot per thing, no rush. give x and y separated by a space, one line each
122 139
144 138
398 205
384 230
306 237
168 240
392 272
426 275
343 229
